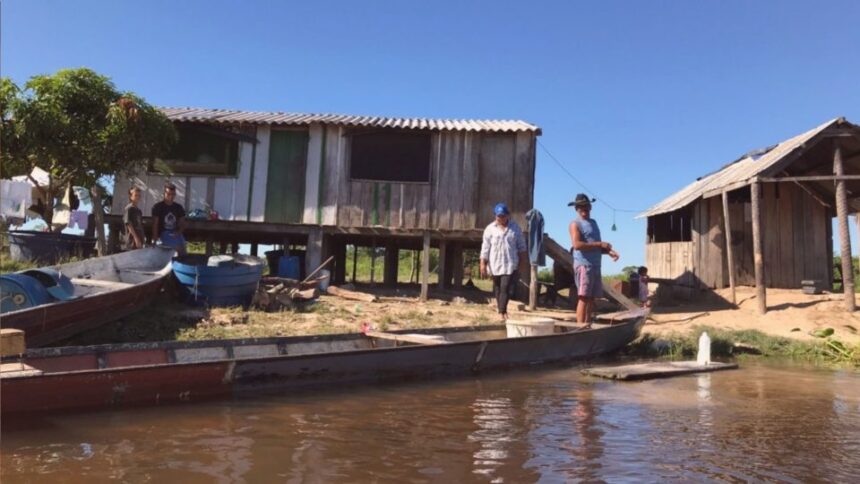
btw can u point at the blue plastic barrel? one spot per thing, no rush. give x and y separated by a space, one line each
290 267
21 292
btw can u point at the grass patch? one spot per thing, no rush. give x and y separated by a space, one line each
731 343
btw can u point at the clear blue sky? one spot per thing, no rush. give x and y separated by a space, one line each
636 98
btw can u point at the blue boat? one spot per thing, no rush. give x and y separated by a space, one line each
224 280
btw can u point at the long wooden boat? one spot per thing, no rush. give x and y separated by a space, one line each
120 375
56 302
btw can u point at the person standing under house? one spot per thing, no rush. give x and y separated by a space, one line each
588 249
503 251
168 220
132 219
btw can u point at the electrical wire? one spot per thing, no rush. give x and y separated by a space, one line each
578 182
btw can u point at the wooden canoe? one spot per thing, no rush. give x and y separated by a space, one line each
104 289
120 375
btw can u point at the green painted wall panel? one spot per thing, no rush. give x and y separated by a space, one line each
285 182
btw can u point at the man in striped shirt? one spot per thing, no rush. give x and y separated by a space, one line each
503 250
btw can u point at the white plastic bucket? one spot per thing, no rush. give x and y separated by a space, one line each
325 276
518 328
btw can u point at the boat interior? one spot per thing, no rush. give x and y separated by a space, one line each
119 271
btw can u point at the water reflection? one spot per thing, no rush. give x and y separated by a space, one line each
760 423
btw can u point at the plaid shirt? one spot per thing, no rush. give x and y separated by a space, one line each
501 248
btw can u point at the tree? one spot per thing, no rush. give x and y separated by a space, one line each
78 127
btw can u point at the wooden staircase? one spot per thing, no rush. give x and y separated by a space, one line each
562 256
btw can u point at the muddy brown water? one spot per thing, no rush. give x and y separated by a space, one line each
768 422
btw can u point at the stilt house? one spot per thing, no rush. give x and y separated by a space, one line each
765 219
325 181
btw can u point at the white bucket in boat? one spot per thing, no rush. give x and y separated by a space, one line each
529 327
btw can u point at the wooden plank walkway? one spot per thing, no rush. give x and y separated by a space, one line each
657 369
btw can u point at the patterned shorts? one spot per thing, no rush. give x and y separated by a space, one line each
588 281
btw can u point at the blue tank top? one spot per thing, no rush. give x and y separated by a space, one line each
589 232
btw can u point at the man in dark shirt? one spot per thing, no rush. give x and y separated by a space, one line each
168 220
132 219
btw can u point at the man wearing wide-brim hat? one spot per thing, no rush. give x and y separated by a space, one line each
588 249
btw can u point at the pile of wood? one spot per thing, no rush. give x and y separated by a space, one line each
278 293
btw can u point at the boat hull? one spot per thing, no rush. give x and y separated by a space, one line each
117 376
49 323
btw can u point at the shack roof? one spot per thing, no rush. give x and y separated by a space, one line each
764 162
226 116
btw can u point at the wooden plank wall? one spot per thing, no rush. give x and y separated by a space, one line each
796 240
470 173
672 260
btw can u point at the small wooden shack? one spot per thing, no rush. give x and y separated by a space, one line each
325 180
765 219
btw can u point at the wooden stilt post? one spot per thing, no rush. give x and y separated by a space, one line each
354 261
443 274
844 236
533 287
339 262
392 259
373 262
758 258
314 252
457 264
209 247
729 255
425 267
254 249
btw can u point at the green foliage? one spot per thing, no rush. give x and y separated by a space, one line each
727 343
545 275
629 271
76 125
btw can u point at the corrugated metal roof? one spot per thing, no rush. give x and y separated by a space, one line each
224 116
741 171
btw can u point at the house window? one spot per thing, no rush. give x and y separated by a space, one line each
671 227
397 156
204 150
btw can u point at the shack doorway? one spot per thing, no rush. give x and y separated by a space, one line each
285 185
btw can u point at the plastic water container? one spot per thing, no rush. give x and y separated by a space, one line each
704 355
518 328
290 267
325 276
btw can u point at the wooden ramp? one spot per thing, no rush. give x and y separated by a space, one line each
657 369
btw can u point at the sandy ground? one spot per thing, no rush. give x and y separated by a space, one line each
788 311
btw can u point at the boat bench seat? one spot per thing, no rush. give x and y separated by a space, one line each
101 283
11 370
422 339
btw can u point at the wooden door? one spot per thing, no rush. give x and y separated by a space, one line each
285 182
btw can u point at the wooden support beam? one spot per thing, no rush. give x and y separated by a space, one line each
392 260
209 247
441 266
457 264
425 267
758 257
729 251
834 178
255 248
844 236
222 247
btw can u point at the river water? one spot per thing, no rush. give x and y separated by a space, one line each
762 422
